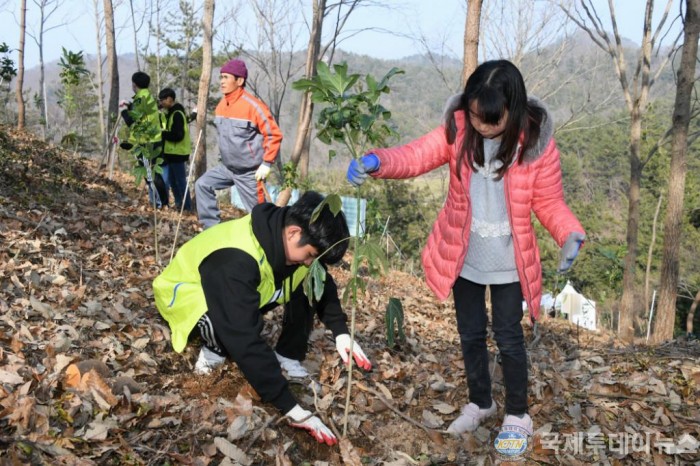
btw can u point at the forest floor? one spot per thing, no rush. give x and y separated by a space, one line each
88 376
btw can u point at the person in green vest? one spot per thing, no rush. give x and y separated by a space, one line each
143 111
176 149
222 281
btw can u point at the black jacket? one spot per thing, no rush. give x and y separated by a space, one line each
230 278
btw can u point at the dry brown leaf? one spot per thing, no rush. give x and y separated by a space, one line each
248 392
348 453
93 382
72 376
11 378
281 459
242 405
436 437
231 451
21 413
119 383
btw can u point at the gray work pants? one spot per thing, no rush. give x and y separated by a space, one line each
221 177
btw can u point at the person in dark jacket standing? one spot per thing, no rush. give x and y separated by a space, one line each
223 280
176 149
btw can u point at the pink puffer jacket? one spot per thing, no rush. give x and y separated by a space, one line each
535 185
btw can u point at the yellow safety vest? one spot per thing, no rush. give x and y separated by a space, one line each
181 147
178 289
153 117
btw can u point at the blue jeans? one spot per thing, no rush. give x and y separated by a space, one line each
175 177
470 304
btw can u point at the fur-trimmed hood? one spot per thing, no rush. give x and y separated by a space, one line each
546 130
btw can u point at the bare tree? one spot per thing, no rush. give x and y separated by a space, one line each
650 252
691 314
306 107
200 155
272 50
135 29
275 40
20 64
472 25
112 62
112 68
47 8
100 79
668 288
635 88
536 40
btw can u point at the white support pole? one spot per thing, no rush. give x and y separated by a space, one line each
184 196
651 315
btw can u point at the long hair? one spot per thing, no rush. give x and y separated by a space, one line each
497 86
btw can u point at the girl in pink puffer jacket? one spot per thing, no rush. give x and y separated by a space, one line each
504 164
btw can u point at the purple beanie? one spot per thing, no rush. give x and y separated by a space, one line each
236 68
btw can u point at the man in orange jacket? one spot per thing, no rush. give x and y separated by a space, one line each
249 141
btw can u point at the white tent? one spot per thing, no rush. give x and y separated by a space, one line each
576 307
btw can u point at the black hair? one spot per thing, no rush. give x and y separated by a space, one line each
497 86
141 79
165 93
328 233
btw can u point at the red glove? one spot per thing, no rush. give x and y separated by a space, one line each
342 344
304 420
115 140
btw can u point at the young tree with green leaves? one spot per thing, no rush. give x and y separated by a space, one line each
353 117
78 101
7 73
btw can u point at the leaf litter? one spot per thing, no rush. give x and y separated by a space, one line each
87 374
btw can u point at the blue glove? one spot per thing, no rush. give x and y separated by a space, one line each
570 250
359 168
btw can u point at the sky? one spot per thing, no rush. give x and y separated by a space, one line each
440 22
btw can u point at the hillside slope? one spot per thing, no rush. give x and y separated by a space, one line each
77 258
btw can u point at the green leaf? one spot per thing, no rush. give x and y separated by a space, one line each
354 285
394 321
334 203
374 255
383 86
315 281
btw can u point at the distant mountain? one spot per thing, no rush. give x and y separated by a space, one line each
571 74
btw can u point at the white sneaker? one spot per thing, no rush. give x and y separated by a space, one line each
207 361
524 423
470 418
292 367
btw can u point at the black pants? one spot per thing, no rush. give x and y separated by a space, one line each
293 341
297 323
470 304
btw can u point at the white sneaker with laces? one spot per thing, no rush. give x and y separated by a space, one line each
292 367
470 418
207 361
524 423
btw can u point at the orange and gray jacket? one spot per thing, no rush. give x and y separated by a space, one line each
248 134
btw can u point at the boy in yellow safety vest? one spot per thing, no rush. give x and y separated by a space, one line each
223 280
